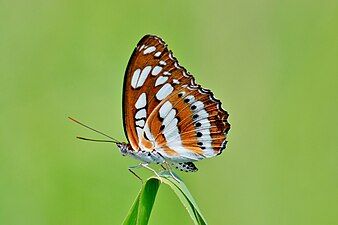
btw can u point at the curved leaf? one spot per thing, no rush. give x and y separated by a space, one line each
140 211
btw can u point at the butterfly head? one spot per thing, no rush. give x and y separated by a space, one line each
124 147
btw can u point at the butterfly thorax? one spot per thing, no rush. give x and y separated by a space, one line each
124 148
145 156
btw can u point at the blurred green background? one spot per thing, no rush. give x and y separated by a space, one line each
272 63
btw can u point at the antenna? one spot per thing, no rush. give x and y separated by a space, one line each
96 140
99 132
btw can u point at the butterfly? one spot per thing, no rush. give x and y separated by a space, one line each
168 118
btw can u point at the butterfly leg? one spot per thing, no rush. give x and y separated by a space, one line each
145 165
133 167
163 167
171 172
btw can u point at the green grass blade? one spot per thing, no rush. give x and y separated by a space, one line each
132 214
185 197
147 199
140 211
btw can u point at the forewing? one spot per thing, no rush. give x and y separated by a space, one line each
149 69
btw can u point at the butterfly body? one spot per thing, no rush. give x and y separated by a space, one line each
153 157
144 156
167 116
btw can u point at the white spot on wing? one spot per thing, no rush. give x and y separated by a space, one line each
205 124
149 50
157 54
171 56
135 78
169 117
165 108
175 81
185 74
165 90
176 65
140 123
198 104
191 98
171 128
162 63
166 73
139 131
141 47
156 70
144 74
141 114
141 101
160 80
202 114
148 134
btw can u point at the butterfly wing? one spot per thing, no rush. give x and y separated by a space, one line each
166 111
141 82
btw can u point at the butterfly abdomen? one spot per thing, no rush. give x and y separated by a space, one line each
186 167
